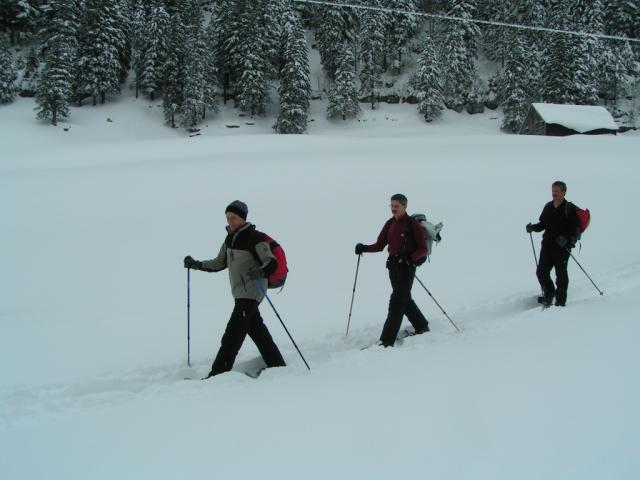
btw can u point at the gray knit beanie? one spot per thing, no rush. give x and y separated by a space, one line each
239 208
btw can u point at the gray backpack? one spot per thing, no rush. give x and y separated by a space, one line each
431 231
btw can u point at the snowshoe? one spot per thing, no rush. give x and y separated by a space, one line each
545 302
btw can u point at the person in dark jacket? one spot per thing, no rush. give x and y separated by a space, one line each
559 221
407 249
247 255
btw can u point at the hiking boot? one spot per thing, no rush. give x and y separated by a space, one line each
546 301
547 297
424 330
561 300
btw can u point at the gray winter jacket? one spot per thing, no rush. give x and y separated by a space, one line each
243 250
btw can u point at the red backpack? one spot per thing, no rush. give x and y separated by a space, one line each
277 278
584 218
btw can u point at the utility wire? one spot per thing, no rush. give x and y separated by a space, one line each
470 20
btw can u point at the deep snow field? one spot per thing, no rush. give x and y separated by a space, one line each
96 221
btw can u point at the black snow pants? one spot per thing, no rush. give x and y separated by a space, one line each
401 303
245 320
553 256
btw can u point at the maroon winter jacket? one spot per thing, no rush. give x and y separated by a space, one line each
404 237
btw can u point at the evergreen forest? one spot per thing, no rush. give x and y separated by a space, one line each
193 55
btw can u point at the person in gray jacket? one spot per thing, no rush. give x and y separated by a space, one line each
248 257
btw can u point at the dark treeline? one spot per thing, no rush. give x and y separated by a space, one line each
193 54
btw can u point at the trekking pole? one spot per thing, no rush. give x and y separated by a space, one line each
534 249
583 270
283 325
436 302
353 294
188 317
536 258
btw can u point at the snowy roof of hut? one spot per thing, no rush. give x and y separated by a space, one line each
581 118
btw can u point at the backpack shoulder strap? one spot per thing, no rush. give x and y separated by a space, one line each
258 237
569 208
385 227
409 231
411 221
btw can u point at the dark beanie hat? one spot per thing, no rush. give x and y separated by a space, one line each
239 208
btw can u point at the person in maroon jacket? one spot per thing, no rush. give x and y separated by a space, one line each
407 249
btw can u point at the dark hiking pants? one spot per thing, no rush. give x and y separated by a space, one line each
401 303
245 320
553 256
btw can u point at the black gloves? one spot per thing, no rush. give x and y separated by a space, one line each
562 241
255 273
360 248
569 242
408 260
529 227
404 260
190 262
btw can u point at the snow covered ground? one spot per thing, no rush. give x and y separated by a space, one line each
97 219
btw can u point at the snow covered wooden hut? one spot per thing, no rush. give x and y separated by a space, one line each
561 120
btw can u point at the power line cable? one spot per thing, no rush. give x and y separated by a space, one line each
471 20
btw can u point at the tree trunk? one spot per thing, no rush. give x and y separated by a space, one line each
226 87
54 116
373 97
